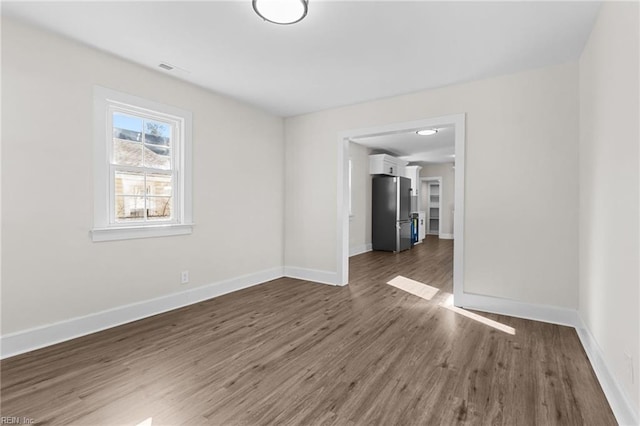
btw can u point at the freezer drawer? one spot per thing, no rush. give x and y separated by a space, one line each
404 236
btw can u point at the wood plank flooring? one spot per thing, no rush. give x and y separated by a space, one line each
290 352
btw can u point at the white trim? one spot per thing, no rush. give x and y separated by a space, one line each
514 308
104 100
623 409
458 218
134 232
39 337
314 275
353 251
445 236
350 161
342 212
342 240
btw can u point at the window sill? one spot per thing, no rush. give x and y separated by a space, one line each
135 232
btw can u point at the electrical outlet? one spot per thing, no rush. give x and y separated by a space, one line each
184 278
629 361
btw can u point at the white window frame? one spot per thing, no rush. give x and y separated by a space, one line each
105 227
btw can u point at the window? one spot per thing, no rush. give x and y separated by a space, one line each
142 168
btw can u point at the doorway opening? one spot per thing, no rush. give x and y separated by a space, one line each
435 206
457 123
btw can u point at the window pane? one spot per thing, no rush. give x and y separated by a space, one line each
129 183
159 208
127 153
129 209
157 139
157 157
159 184
127 127
157 133
127 139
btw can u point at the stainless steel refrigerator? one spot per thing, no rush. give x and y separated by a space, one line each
391 213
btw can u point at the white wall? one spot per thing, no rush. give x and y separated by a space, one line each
446 171
521 180
51 269
360 220
609 213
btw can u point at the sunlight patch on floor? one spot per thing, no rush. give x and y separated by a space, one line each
448 304
146 422
414 287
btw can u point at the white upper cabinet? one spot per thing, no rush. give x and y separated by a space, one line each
413 173
383 164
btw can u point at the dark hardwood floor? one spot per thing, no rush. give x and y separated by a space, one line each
290 352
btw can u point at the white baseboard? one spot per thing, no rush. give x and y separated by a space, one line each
620 403
513 308
445 236
353 251
324 277
50 334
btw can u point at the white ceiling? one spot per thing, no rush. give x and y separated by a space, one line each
341 53
411 147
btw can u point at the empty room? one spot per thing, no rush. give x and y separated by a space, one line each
305 212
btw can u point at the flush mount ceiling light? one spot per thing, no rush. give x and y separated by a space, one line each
282 12
427 132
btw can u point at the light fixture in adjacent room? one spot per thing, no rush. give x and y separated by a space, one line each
282 12
427 132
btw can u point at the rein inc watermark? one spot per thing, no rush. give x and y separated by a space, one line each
16 420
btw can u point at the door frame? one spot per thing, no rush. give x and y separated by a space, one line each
342 211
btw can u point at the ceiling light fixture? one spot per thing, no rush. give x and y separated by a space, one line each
427 132
281 12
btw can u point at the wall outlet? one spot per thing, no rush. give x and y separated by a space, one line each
629 362
184 277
